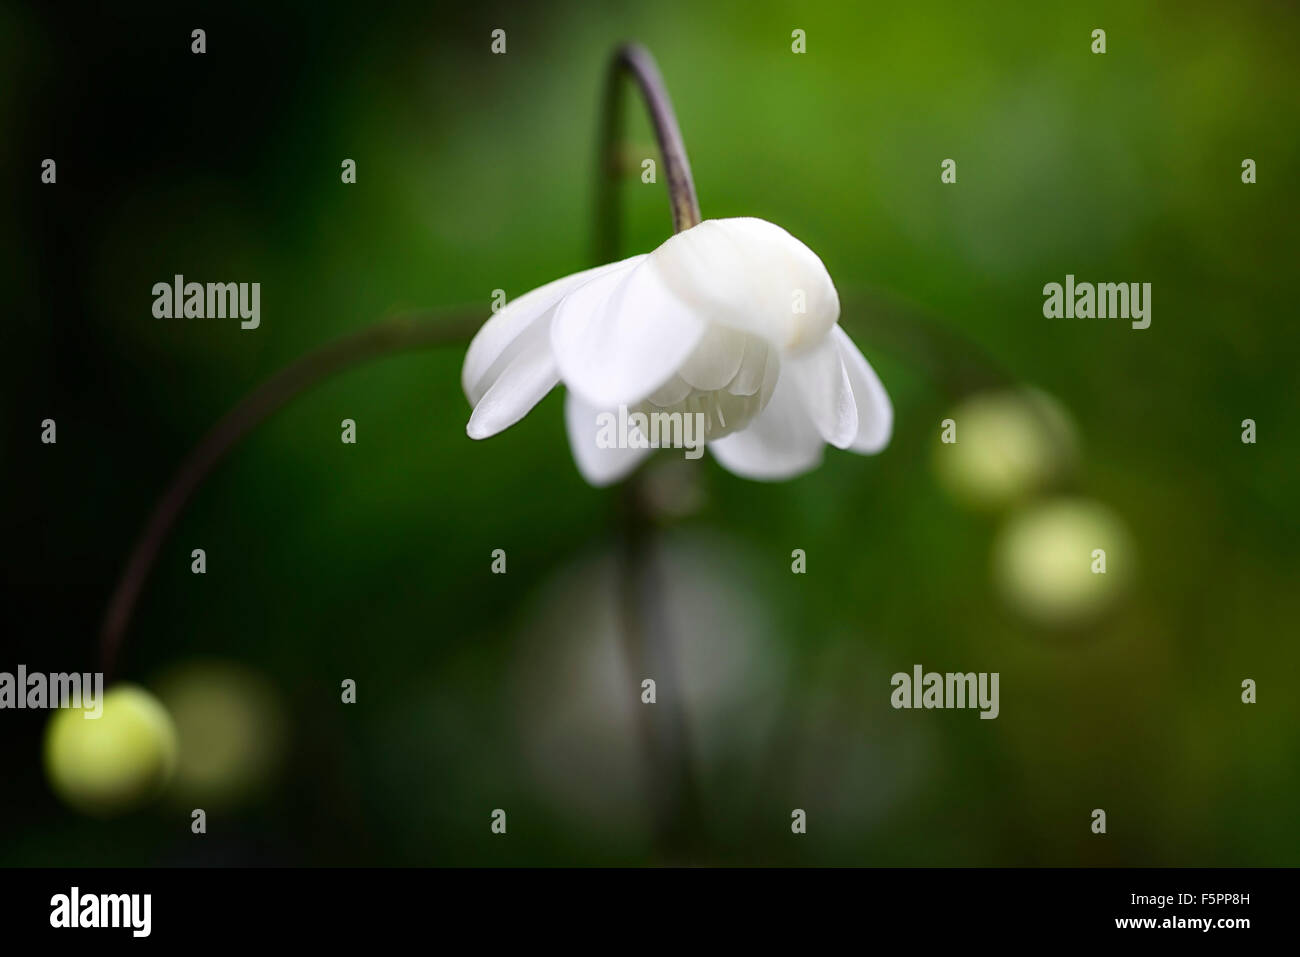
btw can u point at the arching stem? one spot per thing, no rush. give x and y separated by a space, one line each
634 61
384 338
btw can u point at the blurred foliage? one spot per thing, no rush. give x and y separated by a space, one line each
475 172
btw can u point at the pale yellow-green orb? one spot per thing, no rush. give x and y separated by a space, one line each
111 764
232 729
1048 558
1009 444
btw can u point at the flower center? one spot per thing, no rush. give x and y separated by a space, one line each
723 412
728 381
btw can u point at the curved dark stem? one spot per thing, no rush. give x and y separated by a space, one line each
647 642
635 62
957 364
384 338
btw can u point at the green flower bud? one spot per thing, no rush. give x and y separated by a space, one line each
232 728
111 764
1008 445
1063 561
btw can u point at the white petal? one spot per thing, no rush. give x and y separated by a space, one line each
621 336
749 377
598 466
875 412
521 386
780 444
499 340
753 276
671 392
823 385
716 360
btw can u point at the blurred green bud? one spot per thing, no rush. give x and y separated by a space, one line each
114 763
232 731
998 447
1063 561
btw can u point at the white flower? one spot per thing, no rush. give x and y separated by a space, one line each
732 318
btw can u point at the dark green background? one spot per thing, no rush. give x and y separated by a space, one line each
475 172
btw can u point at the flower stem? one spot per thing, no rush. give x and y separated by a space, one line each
635 62
648 646
382 339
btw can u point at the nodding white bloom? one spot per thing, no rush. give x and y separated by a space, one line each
733 319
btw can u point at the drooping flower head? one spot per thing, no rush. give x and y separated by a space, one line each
731 319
